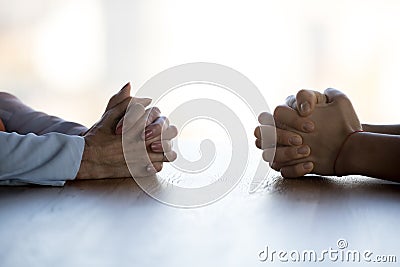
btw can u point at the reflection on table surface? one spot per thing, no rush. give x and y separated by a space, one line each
114 223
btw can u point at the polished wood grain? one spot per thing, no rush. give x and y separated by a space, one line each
114 223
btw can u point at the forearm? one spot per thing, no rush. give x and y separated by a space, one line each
383 129
18 117
371 154
49 159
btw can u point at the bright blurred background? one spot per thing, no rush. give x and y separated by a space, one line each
68 57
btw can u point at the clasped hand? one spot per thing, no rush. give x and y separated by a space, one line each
103 155
310 130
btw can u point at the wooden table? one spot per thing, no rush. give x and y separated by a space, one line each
114 223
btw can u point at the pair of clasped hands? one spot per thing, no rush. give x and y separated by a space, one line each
305 135
147 136
311 130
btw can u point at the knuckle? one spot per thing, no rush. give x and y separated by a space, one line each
299 122
298 170
290 153
167 146
171 156
281 137
257 132
166 120
278 110
258 143
173 130
302 93
276 166
157 127
155 110
289 172
267 155
158 166
285 172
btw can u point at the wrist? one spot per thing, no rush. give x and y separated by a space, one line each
349 156
89 167
84 171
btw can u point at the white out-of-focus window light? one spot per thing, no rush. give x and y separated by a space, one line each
69 46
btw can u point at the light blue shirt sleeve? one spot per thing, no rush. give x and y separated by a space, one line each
20 118
38 148
48 159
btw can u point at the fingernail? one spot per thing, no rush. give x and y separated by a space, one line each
308 127
308 165
148 133
303 150
295 140
118 130
305 107
125 86
119 123
156 146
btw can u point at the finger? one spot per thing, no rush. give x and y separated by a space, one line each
167 134
154 114
155 128
170 156
154 157
287 119
157 166
257 132
334 95
137 125
270 137
291 102
147 116
307 99
258 143
124 93
134 121
166 157
297 170
144 101
135 100
279 165
161 146
170 133
266 118
286 153
154 167
118 128
112 116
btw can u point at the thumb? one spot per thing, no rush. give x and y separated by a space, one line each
307 100
135 100
134 119
114 114
144 101
124 93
